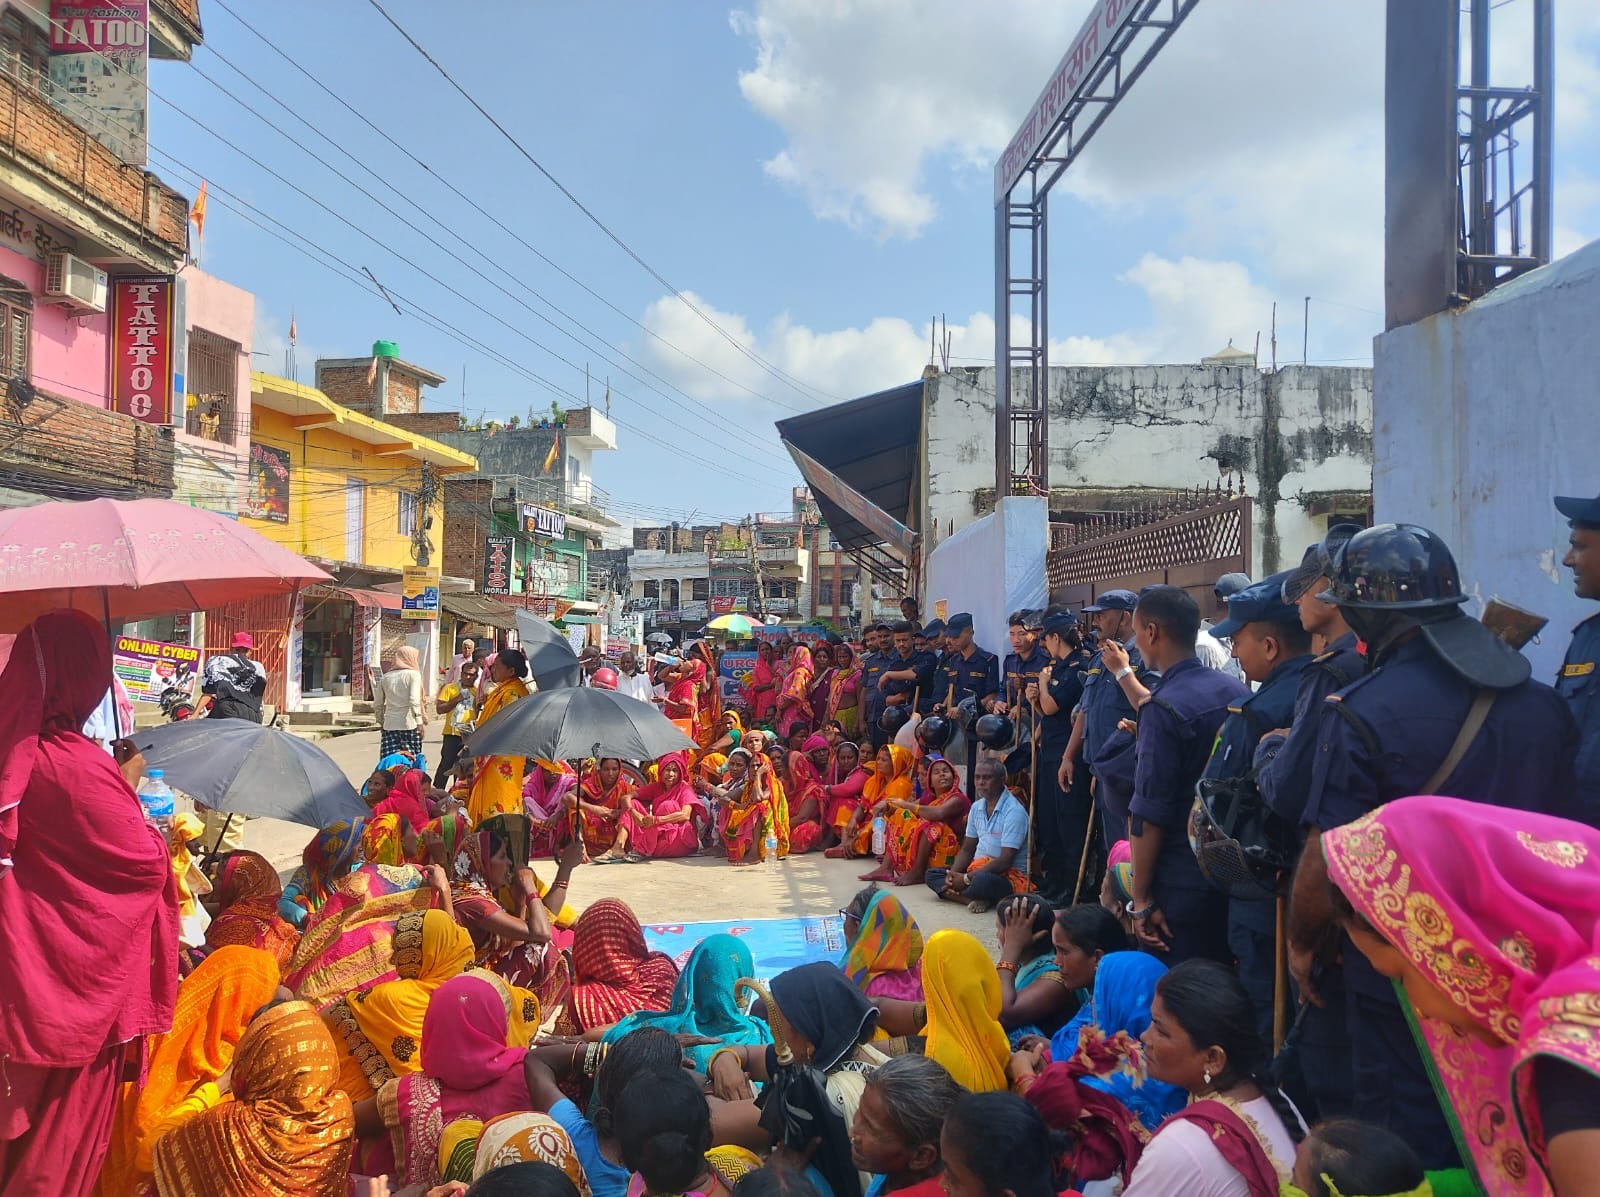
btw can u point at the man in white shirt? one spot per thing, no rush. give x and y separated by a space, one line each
453 674
632 680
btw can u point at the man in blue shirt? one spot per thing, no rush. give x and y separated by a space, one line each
993 861
1022 664
1273 650
874 663
973 672
1105 704
1176 912
909 680
1579 680
1447 708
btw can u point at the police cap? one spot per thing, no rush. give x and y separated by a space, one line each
1113 600
1584 513
1259 602
960 622
1060 624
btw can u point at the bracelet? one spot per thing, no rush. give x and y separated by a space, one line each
1005 966
560 884
592 1058
1123 672
1142 914
711 1064
1022 1084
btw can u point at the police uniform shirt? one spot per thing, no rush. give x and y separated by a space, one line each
873 666
1104 704
1066 689
1018 671
1283 763
923 687
977 676
1579 683
1248 720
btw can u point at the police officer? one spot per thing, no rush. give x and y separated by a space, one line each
1273 650
1022 664
1105 703
972 672
1062 821
874 663
1579 681
1447 708
909 678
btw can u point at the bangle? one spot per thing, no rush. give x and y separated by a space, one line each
1005 966
711 1064
560 884
1023 1083
592 1058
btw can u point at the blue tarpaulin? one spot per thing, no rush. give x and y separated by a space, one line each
776 944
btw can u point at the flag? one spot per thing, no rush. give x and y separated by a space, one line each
198 213
294 337
554 456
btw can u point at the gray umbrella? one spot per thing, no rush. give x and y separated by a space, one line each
244 768
550 657
561 725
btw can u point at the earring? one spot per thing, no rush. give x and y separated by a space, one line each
1208 1076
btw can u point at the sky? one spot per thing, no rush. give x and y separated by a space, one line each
783 196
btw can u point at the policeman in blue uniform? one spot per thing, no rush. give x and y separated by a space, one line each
1447 708
1274 650
909 680
1022 664
972 672
1104 704
875 662
1579 680
1063 816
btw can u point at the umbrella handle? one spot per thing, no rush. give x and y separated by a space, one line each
216 845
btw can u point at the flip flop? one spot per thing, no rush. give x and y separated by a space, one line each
609 860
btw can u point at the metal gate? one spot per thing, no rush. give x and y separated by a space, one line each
267 620
1191 550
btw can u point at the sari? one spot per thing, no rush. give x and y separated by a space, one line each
382 843
842 799
326 858
684 698
821 690
547 799
806 783
797 688
248 891
471 1069
703 1002
497 785
215 1003
526 1138
885 957
744 826
408 799
898 785
708 698
962 990
614 972
287 1131
1500 910
349 942
762 702
908 830
88 913
677 839
844 696
599 834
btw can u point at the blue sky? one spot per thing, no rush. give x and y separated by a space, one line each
816 176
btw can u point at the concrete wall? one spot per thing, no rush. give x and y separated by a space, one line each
1482 416
228 311
1288 438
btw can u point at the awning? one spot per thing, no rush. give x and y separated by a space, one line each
477 608
860 460
355 594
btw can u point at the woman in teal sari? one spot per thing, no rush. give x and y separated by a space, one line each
703 1002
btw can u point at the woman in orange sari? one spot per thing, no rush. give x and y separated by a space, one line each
752 800
497 785
602 799
925 831
245 904
794 699
890 780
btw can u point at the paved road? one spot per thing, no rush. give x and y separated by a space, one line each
698 889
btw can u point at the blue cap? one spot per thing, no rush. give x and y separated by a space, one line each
1113 600
1261 600
957 623
1585 512
1060 624
934 627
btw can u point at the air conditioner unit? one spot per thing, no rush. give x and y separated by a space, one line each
74 283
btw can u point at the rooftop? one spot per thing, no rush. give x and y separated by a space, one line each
312 409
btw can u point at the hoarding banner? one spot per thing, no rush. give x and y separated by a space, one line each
149 668
141 348
419 592
723 604
641 605
497 552
100 71
268 495
541 521
733 673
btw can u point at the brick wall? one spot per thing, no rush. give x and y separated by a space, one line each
426 423
61 440
467 520
348 386
404 394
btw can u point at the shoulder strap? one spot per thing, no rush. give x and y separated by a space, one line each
1470 726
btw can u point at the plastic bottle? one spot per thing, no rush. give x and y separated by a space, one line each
769 850
156 796
880 835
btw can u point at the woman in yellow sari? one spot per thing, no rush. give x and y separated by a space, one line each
497 784
215 1003
890 782
962 991
752 800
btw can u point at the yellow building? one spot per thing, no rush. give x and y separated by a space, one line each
363 499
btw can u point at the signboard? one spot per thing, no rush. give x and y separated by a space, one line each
27 234
141 348
641 604
578 637
149 668
267 496
733 672
724 604
1076 65
541 521
419 592
100 70
694 609
497 552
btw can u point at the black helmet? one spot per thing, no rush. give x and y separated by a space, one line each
966 712
934 732
893 719
993 731
1241 845
1395 567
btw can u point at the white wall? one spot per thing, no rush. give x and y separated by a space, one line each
1172 426
990 568
1483 415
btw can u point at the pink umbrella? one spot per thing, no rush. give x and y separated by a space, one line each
135 559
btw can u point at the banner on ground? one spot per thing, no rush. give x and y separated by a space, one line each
776 944
149 668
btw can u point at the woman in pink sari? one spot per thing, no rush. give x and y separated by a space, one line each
794 699
762 692
409 799
549 795
663 818
807 798
1490 921
841 797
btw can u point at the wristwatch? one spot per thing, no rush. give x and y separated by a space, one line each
1141 914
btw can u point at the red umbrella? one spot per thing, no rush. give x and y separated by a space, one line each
135 559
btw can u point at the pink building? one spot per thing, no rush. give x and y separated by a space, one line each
211 449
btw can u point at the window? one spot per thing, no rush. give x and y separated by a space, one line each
25 50
652 590
213 383
825 593
17 318
700 589
409 507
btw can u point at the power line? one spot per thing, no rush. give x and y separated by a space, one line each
794 383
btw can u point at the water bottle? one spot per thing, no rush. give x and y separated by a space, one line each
156 797
880 835
769 847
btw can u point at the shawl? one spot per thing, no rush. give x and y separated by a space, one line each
1500 910
614 973
247 891
408 799
326 858
381 841
288 1130
1107 1137
962 989
1124 987
889 942
541 796
215 1003
528 1138
703 1001
897 784
80 866
407 657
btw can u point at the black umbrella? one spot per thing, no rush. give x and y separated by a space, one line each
561 725
550 657
244 768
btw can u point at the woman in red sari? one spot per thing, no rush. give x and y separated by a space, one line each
88 914
794 700
708 692
613 971
807 796
602 800
663 817
762 692
682 703
244 902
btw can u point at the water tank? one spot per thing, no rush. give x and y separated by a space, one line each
385 349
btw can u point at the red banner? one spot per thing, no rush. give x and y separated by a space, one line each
141 348
722 604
